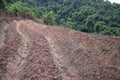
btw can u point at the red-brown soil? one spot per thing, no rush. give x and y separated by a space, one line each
32 51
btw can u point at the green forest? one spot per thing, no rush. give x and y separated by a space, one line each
92 16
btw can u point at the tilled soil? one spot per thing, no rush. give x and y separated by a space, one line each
32 51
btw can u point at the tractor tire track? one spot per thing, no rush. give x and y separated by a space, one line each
15 66
66 70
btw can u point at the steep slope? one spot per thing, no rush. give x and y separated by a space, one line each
32 51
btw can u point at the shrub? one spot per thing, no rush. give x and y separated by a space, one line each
49 18
20 7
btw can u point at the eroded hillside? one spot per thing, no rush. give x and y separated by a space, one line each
32 51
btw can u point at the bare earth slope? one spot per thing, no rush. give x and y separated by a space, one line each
31 51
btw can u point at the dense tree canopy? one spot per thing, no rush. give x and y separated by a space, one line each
2 4
94 16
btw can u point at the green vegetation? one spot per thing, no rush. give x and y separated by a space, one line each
19 8
2 4
93 16
49 18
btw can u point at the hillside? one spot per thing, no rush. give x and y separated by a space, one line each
91 16
33 51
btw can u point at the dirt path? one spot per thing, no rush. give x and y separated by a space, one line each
14 68
39 64
23 53
66 70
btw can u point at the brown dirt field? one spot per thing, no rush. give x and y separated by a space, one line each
33 51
